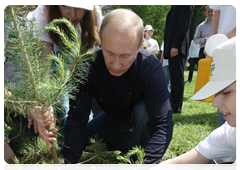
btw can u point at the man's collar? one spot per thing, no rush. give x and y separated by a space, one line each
206 20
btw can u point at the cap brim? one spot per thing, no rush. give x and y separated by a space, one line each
87 7
211 88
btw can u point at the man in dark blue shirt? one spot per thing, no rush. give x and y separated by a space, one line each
129 85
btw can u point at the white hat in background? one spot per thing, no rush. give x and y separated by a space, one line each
86 6
223 67
213 42
148 27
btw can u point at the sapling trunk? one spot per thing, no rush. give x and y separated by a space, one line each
33 82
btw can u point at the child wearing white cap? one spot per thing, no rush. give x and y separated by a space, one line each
221 143
150 44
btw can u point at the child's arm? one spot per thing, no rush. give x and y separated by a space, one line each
191 157
215 23
161 60
40 116
232 33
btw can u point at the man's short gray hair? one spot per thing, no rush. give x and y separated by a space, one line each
123 19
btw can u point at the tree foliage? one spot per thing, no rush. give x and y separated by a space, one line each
38 85
155 15
197 17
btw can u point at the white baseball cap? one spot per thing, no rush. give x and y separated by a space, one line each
148 27
223 68
86 6
213 42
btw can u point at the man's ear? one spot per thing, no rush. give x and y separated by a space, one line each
140 46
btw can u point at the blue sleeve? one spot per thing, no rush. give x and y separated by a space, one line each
198 39
76 124
159 108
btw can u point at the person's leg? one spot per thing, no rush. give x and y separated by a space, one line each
167 74
140 119
192 64
201 53
96 109
61 116
113 130
176 68
121 133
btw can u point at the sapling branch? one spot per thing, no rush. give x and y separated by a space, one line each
30 72
25 55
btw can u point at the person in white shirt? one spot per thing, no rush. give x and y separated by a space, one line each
224 20
165 67
221 143
150 44
193 59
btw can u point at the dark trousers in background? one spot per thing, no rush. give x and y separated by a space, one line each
121 133
201 53
193 61
176 68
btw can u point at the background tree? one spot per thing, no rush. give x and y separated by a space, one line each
155 15
197 17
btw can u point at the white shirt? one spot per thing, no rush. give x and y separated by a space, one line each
193 50
153 43
165 61
220 144
227 21
41 21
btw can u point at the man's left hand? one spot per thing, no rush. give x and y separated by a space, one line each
174 52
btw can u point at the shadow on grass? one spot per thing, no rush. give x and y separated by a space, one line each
210 119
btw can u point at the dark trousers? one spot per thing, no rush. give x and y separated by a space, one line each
121 133
201 53
193 61
176 68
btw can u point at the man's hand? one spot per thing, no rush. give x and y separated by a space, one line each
42 118
206 38
173 52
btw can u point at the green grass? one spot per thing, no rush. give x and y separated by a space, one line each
194 124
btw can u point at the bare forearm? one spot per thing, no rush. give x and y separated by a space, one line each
191 157
232 33
215 23
165 165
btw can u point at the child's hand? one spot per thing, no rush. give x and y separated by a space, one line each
42 117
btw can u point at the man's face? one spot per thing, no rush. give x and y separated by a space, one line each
209 14
119 49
